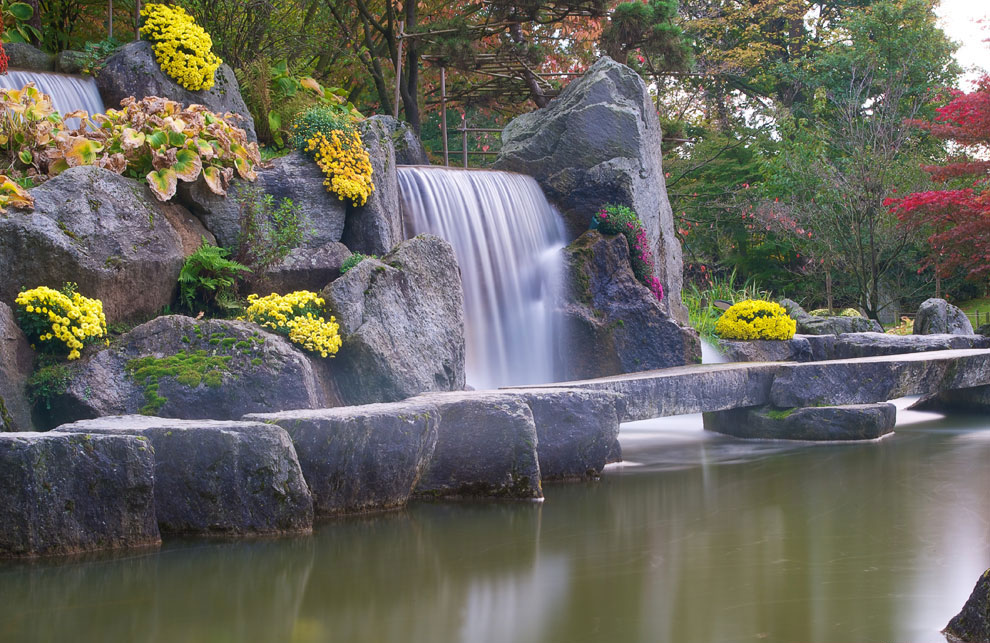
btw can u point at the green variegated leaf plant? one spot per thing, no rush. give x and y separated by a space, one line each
154 139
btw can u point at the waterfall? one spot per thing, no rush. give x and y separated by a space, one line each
68 93
507 239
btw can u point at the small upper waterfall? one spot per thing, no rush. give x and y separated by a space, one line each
68 93
507 238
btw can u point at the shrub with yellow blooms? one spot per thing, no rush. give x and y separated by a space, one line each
755 319
346 164
298 316
60 322
182 48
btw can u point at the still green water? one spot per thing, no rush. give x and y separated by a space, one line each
697 538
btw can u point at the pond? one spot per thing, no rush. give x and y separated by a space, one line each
697 537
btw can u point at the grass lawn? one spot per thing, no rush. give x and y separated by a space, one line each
973 305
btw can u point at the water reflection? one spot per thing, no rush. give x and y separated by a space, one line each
707 538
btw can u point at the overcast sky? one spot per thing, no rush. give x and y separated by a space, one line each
960 19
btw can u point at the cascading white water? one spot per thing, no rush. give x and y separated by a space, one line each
507 239
68 93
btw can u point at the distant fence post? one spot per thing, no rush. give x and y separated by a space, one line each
443 114
464 150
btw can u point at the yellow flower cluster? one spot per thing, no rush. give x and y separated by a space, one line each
755 319
182 48
345 163
60 321
298 316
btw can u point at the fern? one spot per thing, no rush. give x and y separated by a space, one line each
208 280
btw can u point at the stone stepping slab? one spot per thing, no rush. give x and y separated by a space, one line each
65 493
217 477
824 423
361 458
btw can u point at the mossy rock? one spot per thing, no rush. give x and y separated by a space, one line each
179 367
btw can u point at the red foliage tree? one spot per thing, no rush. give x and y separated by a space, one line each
958 220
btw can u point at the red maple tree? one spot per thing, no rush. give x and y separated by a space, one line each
957 219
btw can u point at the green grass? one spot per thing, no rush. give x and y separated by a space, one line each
702 312
971 307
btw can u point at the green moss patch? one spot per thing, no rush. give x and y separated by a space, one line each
189 368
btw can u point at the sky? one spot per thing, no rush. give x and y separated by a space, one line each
959 20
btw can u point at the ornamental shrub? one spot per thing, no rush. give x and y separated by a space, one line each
354 260
298 316
182 48
208 280
327 133
755 319
156 139
321 119
345 163
268 232
60 322
845 312
618 219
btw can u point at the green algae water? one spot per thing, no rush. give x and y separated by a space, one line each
697 537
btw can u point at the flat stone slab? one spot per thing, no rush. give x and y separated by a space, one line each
68 493
878 379
361 458
797 349
486 447
217 477
577 430
826 423
685 389
719 387
852 345
976 398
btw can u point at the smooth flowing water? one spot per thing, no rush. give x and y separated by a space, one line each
697 537
507 238
68 93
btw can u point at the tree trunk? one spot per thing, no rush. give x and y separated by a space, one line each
35 20
409 87
532 82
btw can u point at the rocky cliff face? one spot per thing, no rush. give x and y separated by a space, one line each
105 232
401 322
133 71
613 323
597 143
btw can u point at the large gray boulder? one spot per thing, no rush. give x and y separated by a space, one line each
376 226
877 379
831 325
408 147
179 367
16 363
486 447
600 142
938 317
849 345
402 324
605 307
71 62
293 176
975 399
303 268
577 430
103 231
972 623
797 349
361 458
133 71
28 58
217 478
69 493
820 424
